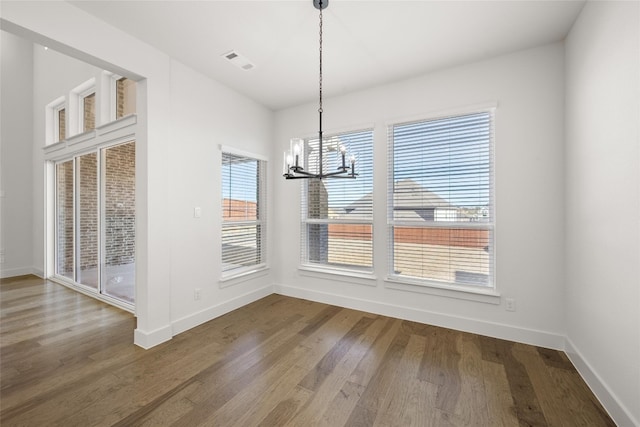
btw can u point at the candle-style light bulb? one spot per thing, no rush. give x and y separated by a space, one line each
286 163
296 153
285 170
343 151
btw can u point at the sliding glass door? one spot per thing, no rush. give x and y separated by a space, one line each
64 220
119 226
87 214
95 221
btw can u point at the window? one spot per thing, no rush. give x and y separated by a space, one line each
82 108
125 90
88 112
64 219
441 201
60 124
337 214
56 121
243 213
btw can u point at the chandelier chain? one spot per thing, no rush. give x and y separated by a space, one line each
320 85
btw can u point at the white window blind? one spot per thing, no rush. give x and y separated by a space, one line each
337 213
441 200
243 214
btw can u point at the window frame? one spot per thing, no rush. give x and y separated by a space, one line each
75 120
227 276
60 109
113 80
362 274
99 147
455 289
82 99
52 118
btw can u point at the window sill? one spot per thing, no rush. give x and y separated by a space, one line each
484 295
243 276
348 276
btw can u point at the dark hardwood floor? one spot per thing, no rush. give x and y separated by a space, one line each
68 360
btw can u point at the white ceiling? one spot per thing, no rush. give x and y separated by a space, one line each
366 43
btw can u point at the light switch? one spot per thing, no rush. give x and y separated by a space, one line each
197 212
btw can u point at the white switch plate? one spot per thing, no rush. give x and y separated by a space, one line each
197 212
510 304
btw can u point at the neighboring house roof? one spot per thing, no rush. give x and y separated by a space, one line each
409 196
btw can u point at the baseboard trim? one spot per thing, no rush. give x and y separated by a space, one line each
193 320
147 340
23 271
476 326
617 411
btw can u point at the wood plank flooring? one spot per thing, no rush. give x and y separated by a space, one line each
68 360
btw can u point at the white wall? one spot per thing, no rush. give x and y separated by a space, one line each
181 119
528 87
54 75
205 115
16 179
602 208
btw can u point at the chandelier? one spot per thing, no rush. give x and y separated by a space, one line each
292 164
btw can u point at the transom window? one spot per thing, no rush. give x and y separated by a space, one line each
60 123
88 107
125 97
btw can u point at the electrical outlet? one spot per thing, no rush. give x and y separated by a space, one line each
196 294
510 304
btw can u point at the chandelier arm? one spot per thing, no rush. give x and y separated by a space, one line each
333 175
341 174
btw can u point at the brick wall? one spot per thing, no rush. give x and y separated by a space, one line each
120 204
64 206
318 234
119 210
89 112
62 124
87 169
125 97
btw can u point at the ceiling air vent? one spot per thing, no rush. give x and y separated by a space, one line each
238 60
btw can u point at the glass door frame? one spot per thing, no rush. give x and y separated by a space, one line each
109 135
